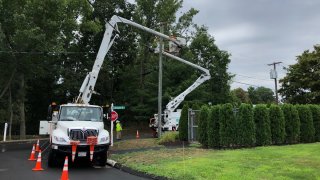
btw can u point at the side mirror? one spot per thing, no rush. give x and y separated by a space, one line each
49 115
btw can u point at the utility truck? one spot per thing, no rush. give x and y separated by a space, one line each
77 129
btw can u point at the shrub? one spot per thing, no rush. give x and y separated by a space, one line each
183 123
227 125
315 110
245 126
292 123
213 127
168 137
306 124
202 126
277 124
262 121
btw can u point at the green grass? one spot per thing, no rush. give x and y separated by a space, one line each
275 162
169 137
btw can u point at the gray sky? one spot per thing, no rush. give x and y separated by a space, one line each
259 32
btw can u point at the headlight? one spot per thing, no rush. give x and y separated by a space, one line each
103 139
59 139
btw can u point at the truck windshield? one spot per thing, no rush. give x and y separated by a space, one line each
78 113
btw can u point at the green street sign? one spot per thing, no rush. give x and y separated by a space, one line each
119 107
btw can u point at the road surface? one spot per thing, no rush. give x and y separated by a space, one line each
15 166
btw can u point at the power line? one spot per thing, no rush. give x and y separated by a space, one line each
245 83
253 77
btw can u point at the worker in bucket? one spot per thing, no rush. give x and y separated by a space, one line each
118 129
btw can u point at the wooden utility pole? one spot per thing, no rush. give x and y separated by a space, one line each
274 75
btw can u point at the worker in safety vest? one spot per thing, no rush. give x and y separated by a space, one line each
118 129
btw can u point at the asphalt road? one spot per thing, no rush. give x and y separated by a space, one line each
14 165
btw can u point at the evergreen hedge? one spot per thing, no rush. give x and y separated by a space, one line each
213 127
246 135
292 123
315 110
183 123
277 124
262 121
202 126
227 125
306 124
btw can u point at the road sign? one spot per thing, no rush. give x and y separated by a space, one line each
119 107
114 115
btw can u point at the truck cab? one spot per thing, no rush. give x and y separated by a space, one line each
78 124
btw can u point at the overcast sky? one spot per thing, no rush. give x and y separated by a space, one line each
259 32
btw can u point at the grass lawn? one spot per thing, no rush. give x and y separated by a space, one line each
134 144
274 162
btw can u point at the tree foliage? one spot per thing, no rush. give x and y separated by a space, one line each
315 110
203 126
183 123
262 121
245 129
277 125
301 84
306 124
292 123
227 126
260 95
213 127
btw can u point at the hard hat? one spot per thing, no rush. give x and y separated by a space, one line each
117 121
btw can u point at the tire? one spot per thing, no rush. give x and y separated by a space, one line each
102 159
52 159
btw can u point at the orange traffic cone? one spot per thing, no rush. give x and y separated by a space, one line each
32 158
38 164
37 147
91 152
137 135
64 175
74 149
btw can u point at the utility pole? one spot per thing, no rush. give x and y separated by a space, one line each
160 83
274 75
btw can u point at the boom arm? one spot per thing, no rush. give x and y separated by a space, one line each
87 87
172 105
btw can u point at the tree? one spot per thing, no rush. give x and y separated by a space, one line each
240 95
306 124
183 123
301 85
245 129
292 123
260 95
213 127
227 126
203 126
262 121
315 110
277 124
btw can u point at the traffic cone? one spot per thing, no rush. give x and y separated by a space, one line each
32 158
74 149
38 164
37 147
64 175
91 152
137 136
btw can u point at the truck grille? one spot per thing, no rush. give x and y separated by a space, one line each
78 134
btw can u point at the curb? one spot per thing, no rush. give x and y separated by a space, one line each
126 169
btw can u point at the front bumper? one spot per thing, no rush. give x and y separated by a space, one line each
66 149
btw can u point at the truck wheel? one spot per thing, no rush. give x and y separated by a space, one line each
102 159
52 159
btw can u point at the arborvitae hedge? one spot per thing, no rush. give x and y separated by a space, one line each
277 124
183 123
306 124
263 131
213 127
227 125
202 126
245 126
315 110
292 123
